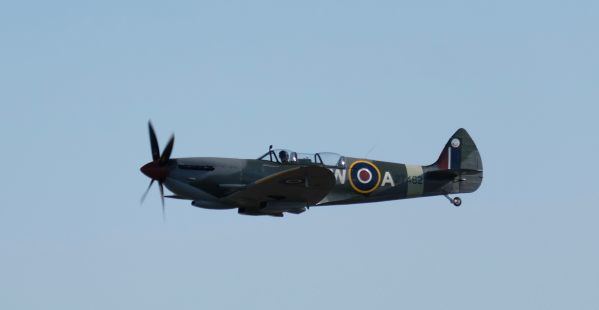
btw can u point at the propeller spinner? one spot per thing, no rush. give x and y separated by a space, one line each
157 169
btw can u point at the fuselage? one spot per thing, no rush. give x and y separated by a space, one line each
360 182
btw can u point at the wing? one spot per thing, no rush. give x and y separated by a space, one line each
307 185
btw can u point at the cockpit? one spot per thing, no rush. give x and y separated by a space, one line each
285 156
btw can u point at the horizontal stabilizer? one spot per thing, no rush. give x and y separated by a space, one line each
440 175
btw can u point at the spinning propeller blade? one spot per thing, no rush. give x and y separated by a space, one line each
154 143
162 199
157 169
166 154
146 192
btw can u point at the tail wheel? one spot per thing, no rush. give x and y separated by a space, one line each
457 201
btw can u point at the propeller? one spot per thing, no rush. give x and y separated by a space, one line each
157 169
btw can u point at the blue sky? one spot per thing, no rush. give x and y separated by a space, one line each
80 79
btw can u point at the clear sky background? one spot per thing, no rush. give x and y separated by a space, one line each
80 79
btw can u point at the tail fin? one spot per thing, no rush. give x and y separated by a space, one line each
460 161
460 152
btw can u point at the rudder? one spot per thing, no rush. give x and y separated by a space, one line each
459 163
460 152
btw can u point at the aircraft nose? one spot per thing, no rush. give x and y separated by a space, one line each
154 171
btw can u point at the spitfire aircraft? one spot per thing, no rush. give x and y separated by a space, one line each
284 181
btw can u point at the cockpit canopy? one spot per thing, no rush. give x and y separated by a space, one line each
285 156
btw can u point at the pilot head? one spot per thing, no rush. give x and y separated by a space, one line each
284 156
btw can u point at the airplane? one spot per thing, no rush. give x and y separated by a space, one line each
283 181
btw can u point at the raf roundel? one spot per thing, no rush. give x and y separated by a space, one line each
364 176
